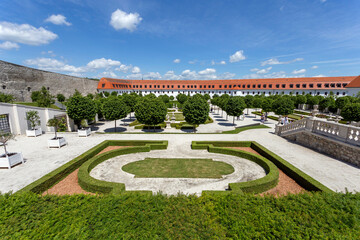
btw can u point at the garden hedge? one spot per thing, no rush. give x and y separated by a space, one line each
296 174
255 186
50 179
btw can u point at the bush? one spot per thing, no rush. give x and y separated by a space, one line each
7 98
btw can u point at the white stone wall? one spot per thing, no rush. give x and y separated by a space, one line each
17 114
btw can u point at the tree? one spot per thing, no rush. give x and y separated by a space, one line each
223 102
215 100
181 98
54 122
79 108
267 105
114 94
257 103
351 112
300 99
235 107
7 98
150 111
206 96
60 97
34 119
171 98
249 102
35 96
196 111
312 100
45 99
114 109
283 106
106 94
341 102
326 103
4 138
165 98
90 95
130 100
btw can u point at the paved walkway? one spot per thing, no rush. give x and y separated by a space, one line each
40 160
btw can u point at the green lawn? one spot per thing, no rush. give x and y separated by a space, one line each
34 104
244 128
179 117
178 168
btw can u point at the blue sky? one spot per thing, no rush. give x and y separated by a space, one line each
203 39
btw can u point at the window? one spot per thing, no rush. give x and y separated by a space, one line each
319 85
304 85
168 86
154 86
291 85
103 85
259 85
29 89
283 85
332 85
163 86
311 85
145 86
172 86
326 85
338 85
225 86
248 86
220 86
178 86
243 85
297 85
254 86
213 86
200 86
277 85
264 85
344 84
270 85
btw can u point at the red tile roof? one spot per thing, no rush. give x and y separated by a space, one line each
354 83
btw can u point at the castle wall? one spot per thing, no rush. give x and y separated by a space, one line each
21 81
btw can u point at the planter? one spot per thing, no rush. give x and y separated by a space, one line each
33 133
57 142
11 159
84 132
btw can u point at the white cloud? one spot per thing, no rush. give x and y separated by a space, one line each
25 34
299 71
110 74
261 71
50 64
238 56
177 60
275 61
222 62
9 45
320 75
192 61
123 68
136 70
122 20
58 20
314 67
103 63
207 71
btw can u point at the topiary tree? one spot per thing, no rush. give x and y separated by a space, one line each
283 106
114 109
300 99
181 98
150 111
223 102
130 100
60 97
113 93
165 98
326 103
312 100
257 103
106 94
54 122
351 112
341 102
172 98
34 119
215 100
249 102
235 107
206 96
4 138
267 105
7 98
196 111
79 108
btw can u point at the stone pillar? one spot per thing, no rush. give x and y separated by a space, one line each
16 120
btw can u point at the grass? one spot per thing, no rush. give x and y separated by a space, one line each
34 104
179 117
244 128
178 168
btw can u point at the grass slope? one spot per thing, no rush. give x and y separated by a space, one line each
178 168
244 128
34 104
133 216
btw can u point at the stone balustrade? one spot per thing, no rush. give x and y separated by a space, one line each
340 132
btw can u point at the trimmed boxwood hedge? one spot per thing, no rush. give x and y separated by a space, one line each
255 186
300 177
50 179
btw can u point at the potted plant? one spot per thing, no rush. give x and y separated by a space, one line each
55 141
9 159
34 119
84 130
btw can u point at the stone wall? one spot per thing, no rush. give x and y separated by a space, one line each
21 81
342 151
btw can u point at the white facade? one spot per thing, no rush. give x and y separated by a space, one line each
17 117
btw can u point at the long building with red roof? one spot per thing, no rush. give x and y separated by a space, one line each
340 86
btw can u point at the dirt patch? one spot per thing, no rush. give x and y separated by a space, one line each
286 184
70 185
